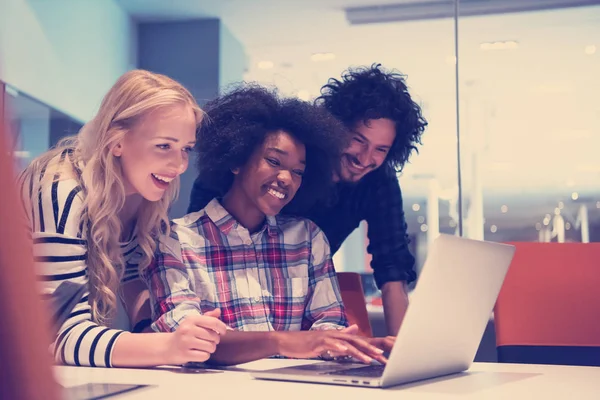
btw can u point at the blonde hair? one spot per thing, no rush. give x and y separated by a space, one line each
132 97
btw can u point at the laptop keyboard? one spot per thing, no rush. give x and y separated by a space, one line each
319 367
369 371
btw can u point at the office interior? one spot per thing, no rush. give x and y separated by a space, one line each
509 90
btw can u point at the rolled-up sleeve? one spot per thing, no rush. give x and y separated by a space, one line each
388 240
324 308
172 296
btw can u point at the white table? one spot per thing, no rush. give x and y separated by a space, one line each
482 381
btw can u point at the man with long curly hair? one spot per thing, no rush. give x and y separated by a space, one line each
270 275
385 125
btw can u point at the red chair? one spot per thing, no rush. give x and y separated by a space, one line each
354 301
548 311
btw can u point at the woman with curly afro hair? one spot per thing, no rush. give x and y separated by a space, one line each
270 275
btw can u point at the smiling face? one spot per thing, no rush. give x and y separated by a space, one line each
370 144
155 151
272 176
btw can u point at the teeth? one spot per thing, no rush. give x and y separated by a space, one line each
165 179
276 193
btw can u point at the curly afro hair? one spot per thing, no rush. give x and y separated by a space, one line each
367 93
239 121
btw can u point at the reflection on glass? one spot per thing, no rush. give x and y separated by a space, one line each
529 125
34 126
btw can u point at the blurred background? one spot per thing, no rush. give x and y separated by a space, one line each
523 86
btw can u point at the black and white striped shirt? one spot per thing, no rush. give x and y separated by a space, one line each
60 253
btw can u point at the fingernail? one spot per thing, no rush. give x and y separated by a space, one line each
379 351
341 347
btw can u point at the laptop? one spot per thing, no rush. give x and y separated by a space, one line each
443 326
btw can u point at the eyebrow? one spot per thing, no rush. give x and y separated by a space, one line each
283 153
172 139
363 137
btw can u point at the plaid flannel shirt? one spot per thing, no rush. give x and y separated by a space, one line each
280 278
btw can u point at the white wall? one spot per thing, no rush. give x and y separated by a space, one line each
66 53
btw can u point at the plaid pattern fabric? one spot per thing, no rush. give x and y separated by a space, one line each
376 199
279 278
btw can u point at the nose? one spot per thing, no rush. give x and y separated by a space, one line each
365 157
179 161
284 178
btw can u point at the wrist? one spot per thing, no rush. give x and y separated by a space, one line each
162 345
278 342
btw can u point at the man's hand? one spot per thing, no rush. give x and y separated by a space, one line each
395 303
383 343
337 343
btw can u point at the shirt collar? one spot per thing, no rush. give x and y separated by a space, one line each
226 222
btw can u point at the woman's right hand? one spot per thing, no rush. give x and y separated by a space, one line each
311 344
195 339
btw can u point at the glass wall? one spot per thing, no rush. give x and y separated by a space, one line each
530 125
34 126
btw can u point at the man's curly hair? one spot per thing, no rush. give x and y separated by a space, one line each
367 93
238 122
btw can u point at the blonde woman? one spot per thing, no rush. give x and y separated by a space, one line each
95 204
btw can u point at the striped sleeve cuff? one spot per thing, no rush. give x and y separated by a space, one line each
86 344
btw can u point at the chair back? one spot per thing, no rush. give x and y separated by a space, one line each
354 302
548 310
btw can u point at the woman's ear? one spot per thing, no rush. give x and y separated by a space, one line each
117 150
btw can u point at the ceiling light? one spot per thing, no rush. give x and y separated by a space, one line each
416 207
504 209
318 57
590 49
493 229
574 195
22 154
266 64
507 45
557 211
421 219
561 205
568 226
424 228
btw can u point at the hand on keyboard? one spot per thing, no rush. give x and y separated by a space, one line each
335 343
